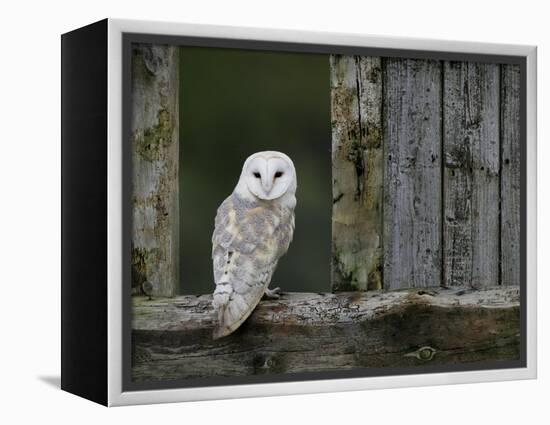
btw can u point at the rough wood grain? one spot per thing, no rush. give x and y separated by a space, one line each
471 177
412 173
356 95
155 146
172 338
510 175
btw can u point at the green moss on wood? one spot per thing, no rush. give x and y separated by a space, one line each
141 258
151 145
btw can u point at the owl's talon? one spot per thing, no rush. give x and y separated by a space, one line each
272 294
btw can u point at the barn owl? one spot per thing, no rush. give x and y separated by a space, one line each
253 229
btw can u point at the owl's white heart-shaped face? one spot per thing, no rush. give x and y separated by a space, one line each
269 175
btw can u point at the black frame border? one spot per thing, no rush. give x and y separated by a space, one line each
84 182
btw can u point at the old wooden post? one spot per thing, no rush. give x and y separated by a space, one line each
412 173
510 176
356 94
471 178
155 146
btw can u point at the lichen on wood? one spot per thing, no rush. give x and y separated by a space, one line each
155 147
356 100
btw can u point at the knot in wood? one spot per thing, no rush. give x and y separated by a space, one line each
154 58
425 353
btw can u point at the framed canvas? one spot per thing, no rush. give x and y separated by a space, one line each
251 212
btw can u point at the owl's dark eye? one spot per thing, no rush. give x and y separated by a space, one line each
278 174
257 175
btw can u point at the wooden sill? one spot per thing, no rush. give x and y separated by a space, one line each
307 332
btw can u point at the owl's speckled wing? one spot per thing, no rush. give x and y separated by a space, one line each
247 243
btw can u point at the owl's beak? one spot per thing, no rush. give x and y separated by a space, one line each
267 186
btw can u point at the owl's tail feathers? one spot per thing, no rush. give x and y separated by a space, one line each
221 329
220 301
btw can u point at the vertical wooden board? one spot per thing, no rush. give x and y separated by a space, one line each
471 174
412 173
155 168
510 177
356 100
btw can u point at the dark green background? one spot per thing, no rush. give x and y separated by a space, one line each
237 102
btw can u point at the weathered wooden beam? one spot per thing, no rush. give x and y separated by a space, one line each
155 147
357 171
301 332
510 176
471 152
412 173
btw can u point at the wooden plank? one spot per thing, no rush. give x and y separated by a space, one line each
155 148
471 174
412 173
172 338
357 164
510 177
